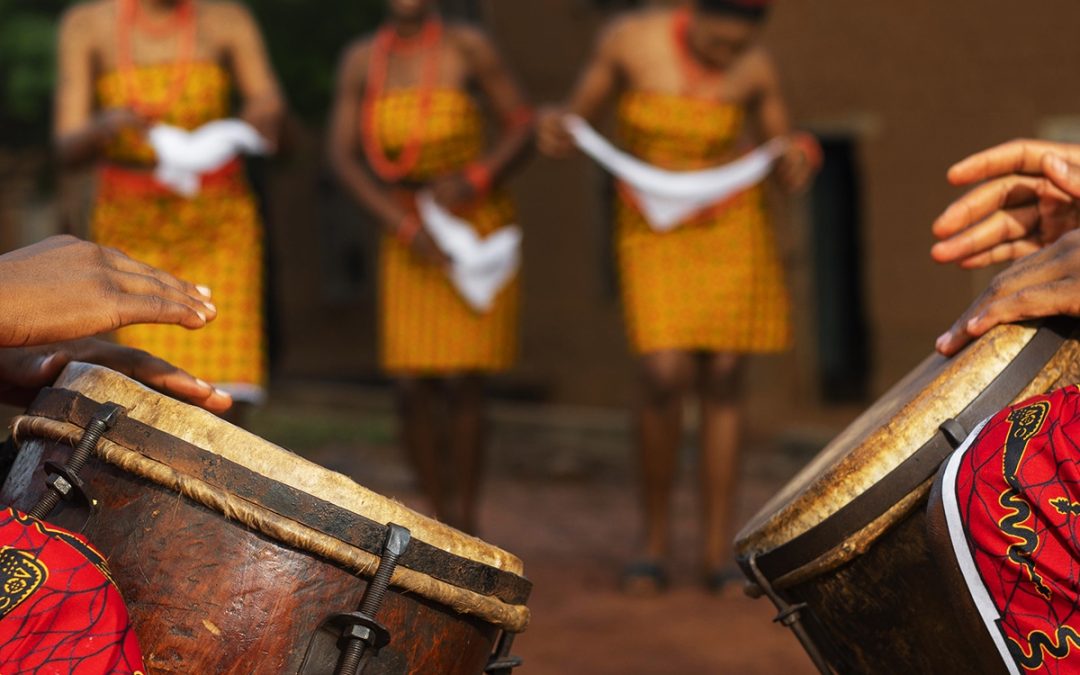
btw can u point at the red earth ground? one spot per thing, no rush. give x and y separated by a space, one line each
560 495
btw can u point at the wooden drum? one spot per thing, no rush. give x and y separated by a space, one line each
843 549
236 556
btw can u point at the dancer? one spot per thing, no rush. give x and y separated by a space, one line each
405 121
701 297
126 65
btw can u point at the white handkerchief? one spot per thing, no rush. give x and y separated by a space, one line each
183 156
667 198
480 268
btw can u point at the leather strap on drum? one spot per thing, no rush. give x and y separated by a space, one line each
351 528
917 469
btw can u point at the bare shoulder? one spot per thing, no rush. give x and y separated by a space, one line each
467 35
227 10
621 34
352 65
357 52
759 65
87 17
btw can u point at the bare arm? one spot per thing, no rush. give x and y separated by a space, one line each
350 171
263 103
79 136
507 101
599 82
797 166
344 141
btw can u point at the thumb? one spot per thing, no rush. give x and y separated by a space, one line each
1064 174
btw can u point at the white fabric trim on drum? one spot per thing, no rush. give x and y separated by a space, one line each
183 156
983 602
668 198
481 267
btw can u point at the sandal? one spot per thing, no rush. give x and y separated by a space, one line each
644 577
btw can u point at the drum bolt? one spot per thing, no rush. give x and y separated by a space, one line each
359 637
397 540
60 487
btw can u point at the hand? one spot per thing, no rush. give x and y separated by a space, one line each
453 191
63 289
424 246
266 117
796 168
1029 202
114 121
552 138
1045 283
24 371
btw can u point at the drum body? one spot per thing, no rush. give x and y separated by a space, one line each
845 545
241 594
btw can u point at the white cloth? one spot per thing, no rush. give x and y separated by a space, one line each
183 156
480 268
667 198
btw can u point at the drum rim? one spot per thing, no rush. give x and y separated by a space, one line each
864 509
64 405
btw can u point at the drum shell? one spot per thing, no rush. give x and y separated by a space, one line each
890 610
208 595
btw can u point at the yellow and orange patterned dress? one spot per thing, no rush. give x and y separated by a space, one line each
715 283
425 328
214 238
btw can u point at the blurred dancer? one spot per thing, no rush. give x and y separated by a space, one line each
404 120
126 65
697 299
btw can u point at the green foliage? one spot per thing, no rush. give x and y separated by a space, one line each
27 68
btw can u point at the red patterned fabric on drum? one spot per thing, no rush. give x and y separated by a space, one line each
1012 502
60 612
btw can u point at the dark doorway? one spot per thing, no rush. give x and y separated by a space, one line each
843 346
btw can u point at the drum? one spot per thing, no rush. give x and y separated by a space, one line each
843 550
236 556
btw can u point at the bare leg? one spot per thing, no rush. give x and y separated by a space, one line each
721 420
667 377
418 400
467 444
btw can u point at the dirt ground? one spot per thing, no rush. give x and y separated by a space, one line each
560 496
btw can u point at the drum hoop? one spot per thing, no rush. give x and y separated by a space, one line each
819 540
341 524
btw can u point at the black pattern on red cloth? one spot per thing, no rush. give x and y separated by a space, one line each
59 610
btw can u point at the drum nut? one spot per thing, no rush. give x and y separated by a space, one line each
60 484
355 632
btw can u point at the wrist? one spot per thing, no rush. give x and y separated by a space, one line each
807 144
407 229
479 176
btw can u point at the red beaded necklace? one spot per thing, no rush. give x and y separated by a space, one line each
386 42
182 24
693 69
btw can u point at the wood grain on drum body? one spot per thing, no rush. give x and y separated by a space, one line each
206 431
239 582
208 595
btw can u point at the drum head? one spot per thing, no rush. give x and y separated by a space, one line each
285 496
801 522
